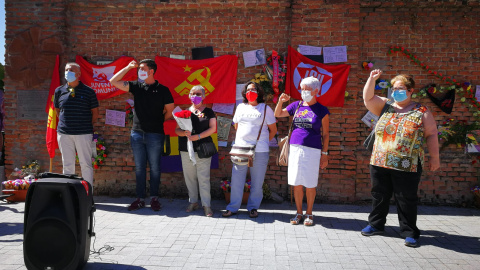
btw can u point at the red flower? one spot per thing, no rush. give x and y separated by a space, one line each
104 155
183 114
95 166
101 161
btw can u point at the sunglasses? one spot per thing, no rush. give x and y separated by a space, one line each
72 91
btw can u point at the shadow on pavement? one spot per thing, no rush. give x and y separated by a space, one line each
5 207
108 266
10 228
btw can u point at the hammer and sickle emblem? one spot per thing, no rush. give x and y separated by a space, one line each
185 86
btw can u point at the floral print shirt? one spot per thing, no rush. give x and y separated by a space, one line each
399 139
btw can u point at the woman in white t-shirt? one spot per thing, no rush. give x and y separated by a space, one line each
248 119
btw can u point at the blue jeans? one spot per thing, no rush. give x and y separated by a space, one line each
147 146
239 174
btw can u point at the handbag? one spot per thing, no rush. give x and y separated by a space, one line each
206 148
244 155
368 143
284 144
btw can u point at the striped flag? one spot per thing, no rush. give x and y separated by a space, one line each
51 137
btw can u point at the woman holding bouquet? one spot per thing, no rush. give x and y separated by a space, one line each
197 175
248 120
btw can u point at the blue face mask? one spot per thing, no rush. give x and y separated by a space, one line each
70 76
399 95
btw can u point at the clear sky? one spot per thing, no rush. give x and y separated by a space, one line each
2 32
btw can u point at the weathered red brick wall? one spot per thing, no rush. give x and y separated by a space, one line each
441 34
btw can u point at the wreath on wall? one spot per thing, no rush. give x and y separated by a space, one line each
265 78
100 150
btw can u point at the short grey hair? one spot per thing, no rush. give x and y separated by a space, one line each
196 88
73 64
311 82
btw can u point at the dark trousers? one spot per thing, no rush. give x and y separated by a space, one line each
404 186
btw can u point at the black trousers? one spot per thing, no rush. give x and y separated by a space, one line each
404 186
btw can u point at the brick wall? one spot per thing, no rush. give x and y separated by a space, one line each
441 34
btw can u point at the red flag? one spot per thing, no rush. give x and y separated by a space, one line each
51 137
333 78
97 77
217 75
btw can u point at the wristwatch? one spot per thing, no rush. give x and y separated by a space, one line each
325 153
199 136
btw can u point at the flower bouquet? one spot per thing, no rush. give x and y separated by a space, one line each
185 122
99 153
129 107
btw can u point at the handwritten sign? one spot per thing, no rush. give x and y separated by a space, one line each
309 50
115 118
226 108
477 93
334 54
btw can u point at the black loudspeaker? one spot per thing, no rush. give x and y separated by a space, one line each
202 53
58 223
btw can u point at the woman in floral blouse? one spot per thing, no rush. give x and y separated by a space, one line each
398 156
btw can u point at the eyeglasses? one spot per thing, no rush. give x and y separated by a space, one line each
397 89
196 94
252 90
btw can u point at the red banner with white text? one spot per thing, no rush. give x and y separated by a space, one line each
97 77
333 78
217 75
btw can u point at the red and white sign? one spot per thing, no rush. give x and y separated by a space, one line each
97 77
333 78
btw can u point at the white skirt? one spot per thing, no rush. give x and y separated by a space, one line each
303 166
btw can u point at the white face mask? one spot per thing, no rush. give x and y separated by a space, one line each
142 75
307 95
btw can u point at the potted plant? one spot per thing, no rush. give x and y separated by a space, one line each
226 187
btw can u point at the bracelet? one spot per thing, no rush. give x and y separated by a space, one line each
199 136
325 153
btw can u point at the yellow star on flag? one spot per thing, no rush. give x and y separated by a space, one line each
187 68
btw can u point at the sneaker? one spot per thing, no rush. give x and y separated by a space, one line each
208 211
410 242
369 231
155 204
137 204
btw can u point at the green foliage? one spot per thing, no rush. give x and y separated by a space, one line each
455 132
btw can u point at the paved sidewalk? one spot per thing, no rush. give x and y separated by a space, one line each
173 239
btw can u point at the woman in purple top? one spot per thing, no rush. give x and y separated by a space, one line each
308 145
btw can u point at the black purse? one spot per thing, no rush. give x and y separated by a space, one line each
370 140
206 148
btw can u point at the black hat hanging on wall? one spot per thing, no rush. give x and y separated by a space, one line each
446 102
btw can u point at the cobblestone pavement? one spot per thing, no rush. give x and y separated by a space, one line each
173 239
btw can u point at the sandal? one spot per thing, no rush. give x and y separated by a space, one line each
228 213
253 213
308 220
192 207
208 211
297 219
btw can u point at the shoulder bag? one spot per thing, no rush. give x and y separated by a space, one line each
206 148
368 143
284 144
244 155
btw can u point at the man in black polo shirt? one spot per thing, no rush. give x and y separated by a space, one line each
153 104
76 106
